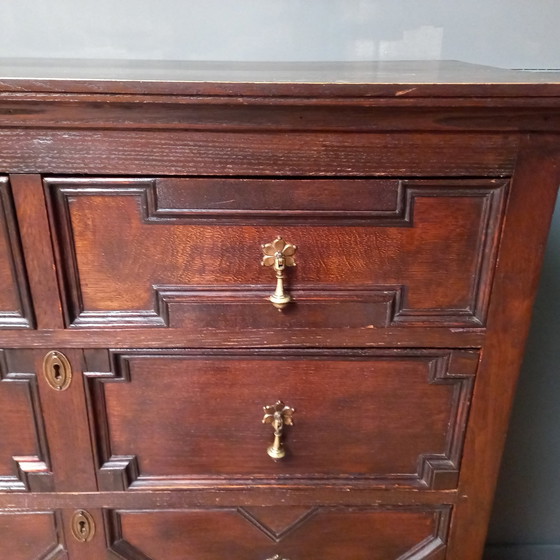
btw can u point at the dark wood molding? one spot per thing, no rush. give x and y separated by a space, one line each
34 473
432 546
20 315
205 305
440 471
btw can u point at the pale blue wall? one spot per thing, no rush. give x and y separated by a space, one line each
507 33
510 33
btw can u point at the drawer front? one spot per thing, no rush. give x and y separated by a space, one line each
15 303
280 533
186 253
24 458
387 418
30 535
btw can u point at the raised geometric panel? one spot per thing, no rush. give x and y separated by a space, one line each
24 463
166 419
147 252
31 535
276 522
15 302
329 533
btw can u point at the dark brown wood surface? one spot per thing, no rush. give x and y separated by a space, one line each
357 533
132 210
515 288
393 418
25 463
129 253
31 535
35 237
15 302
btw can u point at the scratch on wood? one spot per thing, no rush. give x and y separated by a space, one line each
405 91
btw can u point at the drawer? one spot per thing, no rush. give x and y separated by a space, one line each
186 253
29 535
172 419
280 533
24 451
15 302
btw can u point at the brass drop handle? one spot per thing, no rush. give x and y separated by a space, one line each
279 255
279 415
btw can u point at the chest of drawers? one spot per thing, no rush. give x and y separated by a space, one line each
264 311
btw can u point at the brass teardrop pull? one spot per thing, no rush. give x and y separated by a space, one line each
279 415
279 255
57 370
83 526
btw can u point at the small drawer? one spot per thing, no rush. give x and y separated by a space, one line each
29 535
25 463
281 533
186 253
16 310
386 418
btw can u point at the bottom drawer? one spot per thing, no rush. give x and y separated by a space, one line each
280 533
31 535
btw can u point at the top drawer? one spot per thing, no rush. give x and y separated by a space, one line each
187 253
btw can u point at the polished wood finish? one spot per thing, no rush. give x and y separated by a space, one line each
264 532
25 459
35 238
29 535
132 212
359 268
15 302
356 413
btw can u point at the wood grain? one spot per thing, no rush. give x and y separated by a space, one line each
244 153
140 196
373 534
15 301
25 462
514 291
176 272
31 535
414 337
38 251
350 417
65 422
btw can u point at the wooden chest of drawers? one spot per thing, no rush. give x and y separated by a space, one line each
166 396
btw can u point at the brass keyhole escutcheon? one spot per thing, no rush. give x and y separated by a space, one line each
57 370
83 526
279 255
279 415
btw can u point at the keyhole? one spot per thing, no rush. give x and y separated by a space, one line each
82 527
57 374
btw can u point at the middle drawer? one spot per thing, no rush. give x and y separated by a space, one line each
386 417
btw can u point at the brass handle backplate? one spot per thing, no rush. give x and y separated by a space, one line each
279 415
83 526
279 255
57 370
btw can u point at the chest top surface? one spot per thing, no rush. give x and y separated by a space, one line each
399 79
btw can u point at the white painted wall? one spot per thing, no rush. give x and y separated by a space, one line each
509 33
